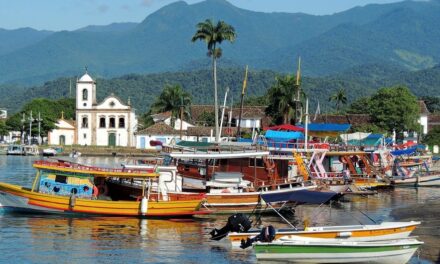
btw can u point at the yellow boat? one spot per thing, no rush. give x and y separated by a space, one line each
62 189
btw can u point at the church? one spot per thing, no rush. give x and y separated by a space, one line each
109 123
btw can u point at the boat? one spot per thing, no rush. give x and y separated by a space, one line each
15 150
72 189
49 152
384 230
421 179
396 251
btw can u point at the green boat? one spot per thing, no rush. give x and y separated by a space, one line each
396 251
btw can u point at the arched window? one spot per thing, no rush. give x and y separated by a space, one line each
121 122
102 122
85 122
112 122
85 94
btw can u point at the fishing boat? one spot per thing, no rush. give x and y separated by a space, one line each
23 150
72 189
421 179
396 251
385 230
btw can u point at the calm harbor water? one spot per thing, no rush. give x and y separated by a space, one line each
55 239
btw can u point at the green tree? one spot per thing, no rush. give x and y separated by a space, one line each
395 108
172 98
433 137
145 120
282 99
214 34
207 118
360 106
432 103
340 98
3 128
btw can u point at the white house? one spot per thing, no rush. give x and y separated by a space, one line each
64 134
157 132
165 117
109 123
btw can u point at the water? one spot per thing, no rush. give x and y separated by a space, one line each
55 239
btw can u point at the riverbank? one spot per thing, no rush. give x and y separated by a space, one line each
429 231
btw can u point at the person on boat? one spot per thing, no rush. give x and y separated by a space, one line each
346 176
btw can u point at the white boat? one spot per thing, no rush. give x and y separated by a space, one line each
49 152
322 251
428 179
23 150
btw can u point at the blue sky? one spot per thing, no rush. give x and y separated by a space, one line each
74 14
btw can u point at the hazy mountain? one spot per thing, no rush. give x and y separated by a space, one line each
11 40
403 34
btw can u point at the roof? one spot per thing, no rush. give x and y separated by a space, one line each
248 111
161 116
159 129
423 109
86 78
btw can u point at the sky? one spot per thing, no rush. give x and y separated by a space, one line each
73 14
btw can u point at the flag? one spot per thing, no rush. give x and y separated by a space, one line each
317 112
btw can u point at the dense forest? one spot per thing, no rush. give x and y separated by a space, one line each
143 89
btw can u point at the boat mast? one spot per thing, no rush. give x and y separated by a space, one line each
223 113
242 102
298 93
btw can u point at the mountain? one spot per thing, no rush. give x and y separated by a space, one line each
402 34
114 27
11 40
143 89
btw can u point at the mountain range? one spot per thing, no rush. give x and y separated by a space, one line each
401 35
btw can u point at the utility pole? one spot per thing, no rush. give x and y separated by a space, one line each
242 102
39 128
30 128
298 93
181 117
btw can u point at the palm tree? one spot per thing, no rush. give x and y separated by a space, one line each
213 35
172 98
339 98
282 99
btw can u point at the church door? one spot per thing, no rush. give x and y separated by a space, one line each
62 140
112 139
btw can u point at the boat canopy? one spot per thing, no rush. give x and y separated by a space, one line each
286 127
326 129
301 196
407 151
362 139
283 135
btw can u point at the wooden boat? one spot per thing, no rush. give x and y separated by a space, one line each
65 188
321 251
384 230
426 179
225 193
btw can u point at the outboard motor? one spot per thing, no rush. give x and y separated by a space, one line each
236 223
267 234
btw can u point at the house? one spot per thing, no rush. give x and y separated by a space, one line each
157 132
108 123
165 117
64 134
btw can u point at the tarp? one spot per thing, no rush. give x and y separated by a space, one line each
194 144
363 139
354 136
301 196
407 151
286 127
326 129
283 136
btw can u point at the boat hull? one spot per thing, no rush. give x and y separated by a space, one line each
363 252
386 230
18 199
425 180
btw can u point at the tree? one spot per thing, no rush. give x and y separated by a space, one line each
432 103
433 137
214 35
395 108
360 106
207 119
282 99
339 98
172 98
3 128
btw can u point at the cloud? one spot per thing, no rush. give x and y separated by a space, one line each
147 2
103 8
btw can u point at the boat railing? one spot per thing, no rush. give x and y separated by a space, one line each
91 169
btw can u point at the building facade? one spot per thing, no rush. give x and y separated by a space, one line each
64 134
109 123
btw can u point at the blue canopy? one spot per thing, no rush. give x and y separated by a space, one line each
407 151
327 127
301 196
283 135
